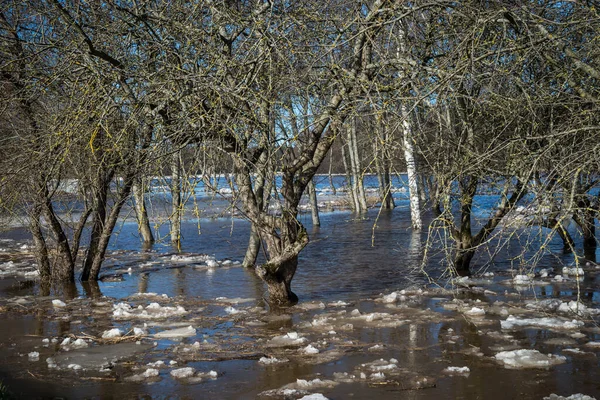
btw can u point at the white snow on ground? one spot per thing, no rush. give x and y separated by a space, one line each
546 322
577 396
525 358
176 333
593 344
152 311
112 333
289 339
272 360
58 303
33 356
457 371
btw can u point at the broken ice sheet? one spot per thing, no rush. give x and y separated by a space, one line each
525 358
176 333
123 311
546 322
272 360
150 374
98 356
577 396
463 371
289 339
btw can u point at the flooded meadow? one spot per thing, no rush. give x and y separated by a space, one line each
372 321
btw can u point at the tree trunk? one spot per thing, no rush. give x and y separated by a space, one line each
584 217
314 207
333 189
41 248
142 214
98 224
278 276
176 206
353 198
63 269
358 189
462 260
411 170
253 248
98 257
383 175
464 237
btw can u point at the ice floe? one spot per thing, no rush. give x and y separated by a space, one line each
289 339
314 396
526 358
58 303
183 373
513 322
577 396
176 333
152 311
310 349
464 371
112 333
272 360
148 374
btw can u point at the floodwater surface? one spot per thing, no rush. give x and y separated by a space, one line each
371 323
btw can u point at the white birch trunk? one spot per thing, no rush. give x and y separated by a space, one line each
176 207
411 170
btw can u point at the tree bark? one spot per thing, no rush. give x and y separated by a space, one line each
176 206
98 224
141 213
98 257
314 207
41 248
358 189
411 170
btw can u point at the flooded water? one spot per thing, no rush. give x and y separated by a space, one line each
370 324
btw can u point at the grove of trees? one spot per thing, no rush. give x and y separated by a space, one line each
466 96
